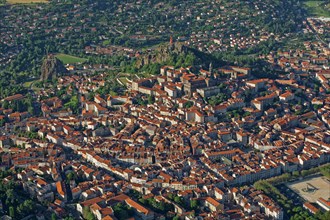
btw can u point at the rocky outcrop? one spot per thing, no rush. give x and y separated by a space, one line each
51 68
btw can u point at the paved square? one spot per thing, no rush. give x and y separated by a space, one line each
311 189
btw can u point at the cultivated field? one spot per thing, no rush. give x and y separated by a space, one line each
312 189
26 1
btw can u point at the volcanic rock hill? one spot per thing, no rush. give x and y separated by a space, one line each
162 54
51 68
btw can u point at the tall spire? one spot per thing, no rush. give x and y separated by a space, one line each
211 70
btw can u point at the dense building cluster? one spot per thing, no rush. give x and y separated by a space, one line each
166 137
192 142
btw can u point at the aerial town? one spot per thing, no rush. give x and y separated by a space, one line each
96 139
169 147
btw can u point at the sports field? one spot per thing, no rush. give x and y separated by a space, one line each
68 59
318 8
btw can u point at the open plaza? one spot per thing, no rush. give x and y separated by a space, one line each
311 189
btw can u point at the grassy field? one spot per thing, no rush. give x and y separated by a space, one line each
68 59
28 84
31 85
26 1
318 8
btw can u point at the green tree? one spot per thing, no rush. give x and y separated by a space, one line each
188 104
171 196
143 201
26 207
87 214
90 216
90 96
325 170
73 104
122 211
12 211
178 200
71 176
296 174
141 101
151 99
10 196
30 110
176 218
53 216
193 204
2 122
5 104
322 215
